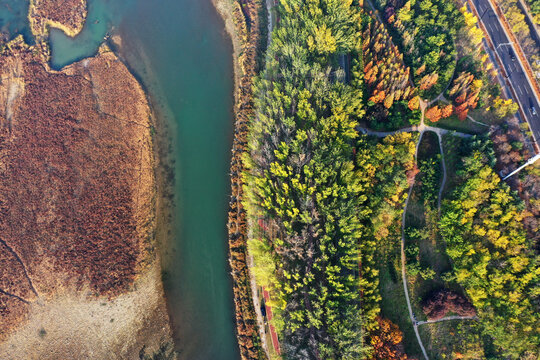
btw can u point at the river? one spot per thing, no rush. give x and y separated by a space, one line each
179 50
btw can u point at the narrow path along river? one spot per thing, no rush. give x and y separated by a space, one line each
179 50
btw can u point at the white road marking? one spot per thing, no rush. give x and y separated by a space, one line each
519 88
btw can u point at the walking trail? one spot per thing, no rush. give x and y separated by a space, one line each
440 132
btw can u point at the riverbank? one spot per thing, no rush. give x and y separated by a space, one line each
243 22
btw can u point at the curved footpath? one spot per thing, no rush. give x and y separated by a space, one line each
440 132
403 272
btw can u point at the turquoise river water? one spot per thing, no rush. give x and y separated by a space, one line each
179 51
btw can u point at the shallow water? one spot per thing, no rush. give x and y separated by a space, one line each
104 17
183 56
179 50
13 19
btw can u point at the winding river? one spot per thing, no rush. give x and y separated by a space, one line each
179 51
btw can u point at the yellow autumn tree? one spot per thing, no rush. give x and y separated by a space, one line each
322 40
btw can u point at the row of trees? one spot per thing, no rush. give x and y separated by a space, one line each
492 259
301 181
245 16
383 169
534 5
392 101
426 30
475 84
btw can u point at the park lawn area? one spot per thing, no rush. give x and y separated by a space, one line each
452 146
454 339
423 215
453 123
486 117
394 305
428 148
415 209
433 256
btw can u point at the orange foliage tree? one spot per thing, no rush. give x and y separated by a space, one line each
428 81
386 341
447 111
464 92
434 113
385 74
414 103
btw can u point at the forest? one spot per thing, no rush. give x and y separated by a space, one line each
303 183
301 179
426 32
391 98
492 258
325 202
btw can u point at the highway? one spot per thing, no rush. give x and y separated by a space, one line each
512 65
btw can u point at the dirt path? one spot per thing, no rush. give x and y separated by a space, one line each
269 5
23 265
14 296
257 305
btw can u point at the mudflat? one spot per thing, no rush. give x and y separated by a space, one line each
79 270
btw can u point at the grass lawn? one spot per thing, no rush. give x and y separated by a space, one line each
415 210
453 339
465 126
428 149
486 117
394 305
452 146
423 215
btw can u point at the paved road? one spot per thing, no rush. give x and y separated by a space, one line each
513 67
530 21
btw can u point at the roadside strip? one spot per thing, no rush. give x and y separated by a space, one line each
500 65
516 47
